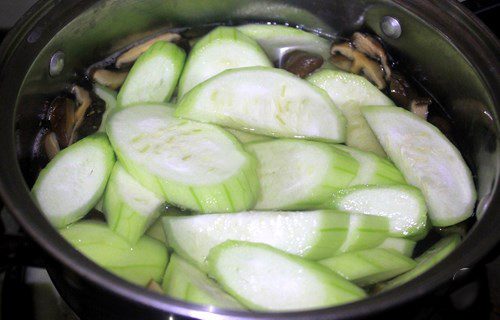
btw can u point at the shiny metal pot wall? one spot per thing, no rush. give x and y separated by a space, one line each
446 49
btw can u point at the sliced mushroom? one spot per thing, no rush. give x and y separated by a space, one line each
108 78
301 63
92 119
61 115
84 102
401 91
51 145
341 62
360 62
154 286
373 48
420 107
132 54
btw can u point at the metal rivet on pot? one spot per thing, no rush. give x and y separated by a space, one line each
391 27
56 63
460 274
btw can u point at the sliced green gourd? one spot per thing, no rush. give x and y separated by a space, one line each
349 92
428 160
156 231
427 260
222 49
190 164
74 180
246 137
129 207
185 282
311 234
109 97
373 170
277 40
153 76
402 204
364 232
265 101
264 278
401 245
140 263
370 266
297 174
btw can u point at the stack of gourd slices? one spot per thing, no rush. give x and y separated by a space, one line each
283 216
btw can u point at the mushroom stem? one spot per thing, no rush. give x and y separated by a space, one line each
132 54
372 48
84 102
51 145
110 79
420 107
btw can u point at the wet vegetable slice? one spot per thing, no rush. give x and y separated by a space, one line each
428 160
265 101
427 260
154 75
74 180
129 207
222 49
311 234
403 205
246 137
185 282
264 278
277 40
109 98
190 164
140 263
349 92
373 170
296 174
370 266
401 245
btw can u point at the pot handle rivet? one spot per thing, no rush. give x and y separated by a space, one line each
391 27
56 64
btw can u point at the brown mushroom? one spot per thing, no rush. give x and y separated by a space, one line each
420 107
301 63
360 62
341 62
84 102
93 117
154 286
401 91
372 48
132 54
61 115
51 145
108 78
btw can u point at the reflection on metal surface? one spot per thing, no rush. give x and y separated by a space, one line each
56 64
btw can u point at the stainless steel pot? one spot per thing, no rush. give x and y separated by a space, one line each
445 48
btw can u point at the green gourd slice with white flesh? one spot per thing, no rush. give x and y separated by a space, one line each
370 266
401 245
109 97
129 207
373 169
297 174
185 282
428 160
140 263
222 49
266 279
277 40
247 137
438 252
193 165
349 92
403 205
153 76
311 234
265 101
74 180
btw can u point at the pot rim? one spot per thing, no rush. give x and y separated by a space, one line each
31 219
